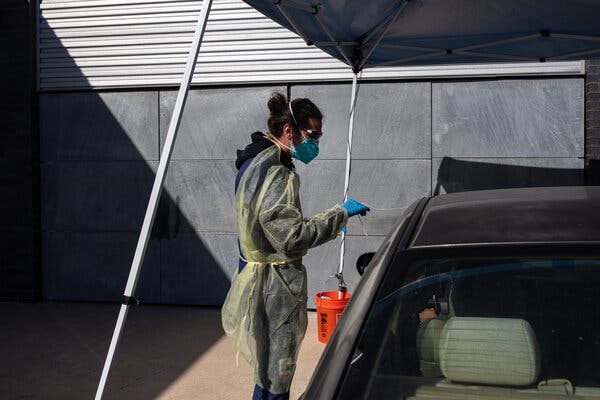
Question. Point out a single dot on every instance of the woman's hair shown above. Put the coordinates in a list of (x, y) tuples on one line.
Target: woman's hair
[(304, 109)]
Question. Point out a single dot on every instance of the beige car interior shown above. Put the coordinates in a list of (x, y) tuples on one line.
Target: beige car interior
[(486, 358)]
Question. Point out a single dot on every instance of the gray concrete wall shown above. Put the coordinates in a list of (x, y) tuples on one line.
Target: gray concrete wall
[(411, 139), (592, 121), (98, 153)]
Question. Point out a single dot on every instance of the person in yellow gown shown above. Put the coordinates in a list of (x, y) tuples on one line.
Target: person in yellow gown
[(265, 309)]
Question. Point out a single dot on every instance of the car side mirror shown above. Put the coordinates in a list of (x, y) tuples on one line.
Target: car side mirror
[(363, 262)]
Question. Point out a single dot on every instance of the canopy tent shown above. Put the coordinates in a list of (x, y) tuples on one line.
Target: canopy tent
[(374, 33)]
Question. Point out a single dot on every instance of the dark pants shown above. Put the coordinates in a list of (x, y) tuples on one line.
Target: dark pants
[(262, 394)]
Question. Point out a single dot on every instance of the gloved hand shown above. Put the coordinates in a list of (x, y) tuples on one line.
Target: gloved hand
[(354, 207)]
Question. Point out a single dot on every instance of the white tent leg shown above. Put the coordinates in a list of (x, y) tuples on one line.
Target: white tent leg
[(347, 177), (165, 157)]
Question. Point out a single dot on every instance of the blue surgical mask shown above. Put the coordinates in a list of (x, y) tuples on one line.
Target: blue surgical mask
[(306, 151)]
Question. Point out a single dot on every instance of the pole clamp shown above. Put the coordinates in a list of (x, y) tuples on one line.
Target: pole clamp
[(130, 301), (342, 287)]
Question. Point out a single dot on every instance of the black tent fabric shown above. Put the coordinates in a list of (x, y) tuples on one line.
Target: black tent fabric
[(375, 33)]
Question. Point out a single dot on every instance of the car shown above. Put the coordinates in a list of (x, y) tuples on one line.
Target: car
[(477, 295)]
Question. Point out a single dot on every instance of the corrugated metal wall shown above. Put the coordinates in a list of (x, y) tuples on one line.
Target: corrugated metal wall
[(86, 44), (99, 43)]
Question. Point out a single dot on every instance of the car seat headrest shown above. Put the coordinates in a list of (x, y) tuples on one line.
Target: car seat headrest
[(493, 351), (428, 344)]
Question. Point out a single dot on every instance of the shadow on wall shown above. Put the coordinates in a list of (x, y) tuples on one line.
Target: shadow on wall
[(456, 175), (99, 153)]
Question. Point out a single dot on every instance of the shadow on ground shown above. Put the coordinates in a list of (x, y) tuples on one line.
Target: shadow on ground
[(56, 350)]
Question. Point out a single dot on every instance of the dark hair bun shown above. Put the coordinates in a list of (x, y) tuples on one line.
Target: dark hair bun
[(277, 103)]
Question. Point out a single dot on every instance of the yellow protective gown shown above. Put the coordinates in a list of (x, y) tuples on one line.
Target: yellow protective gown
[(265, 310)]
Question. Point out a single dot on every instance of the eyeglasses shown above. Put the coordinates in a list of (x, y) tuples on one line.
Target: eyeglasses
[(315, 135)]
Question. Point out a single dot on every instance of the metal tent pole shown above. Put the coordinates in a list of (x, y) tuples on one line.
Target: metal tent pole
[(339, 275), (165, 157)]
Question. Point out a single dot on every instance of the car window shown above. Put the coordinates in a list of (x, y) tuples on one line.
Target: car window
[(456, 328)]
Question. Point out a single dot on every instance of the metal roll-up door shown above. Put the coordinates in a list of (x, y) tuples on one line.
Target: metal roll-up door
[(86, 44), (123, 43)]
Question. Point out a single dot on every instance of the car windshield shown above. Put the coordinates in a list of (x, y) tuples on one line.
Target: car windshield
[(481, 328)]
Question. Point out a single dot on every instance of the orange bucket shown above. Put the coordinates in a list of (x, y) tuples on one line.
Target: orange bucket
[(330, 306)]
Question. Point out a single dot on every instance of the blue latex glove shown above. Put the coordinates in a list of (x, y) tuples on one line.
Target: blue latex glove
[(354, 207)]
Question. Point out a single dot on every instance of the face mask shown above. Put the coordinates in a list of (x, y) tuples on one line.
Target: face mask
[(306, 151)]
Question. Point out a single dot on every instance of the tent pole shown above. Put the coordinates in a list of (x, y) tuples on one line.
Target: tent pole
[(339, 275), (287, 16), (330, 36), (159, 179), (581, 54)]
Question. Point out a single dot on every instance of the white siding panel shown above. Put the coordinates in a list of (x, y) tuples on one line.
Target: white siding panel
[(86, 44)]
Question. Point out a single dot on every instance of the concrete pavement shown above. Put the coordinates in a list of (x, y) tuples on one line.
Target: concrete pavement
[(56, 351)]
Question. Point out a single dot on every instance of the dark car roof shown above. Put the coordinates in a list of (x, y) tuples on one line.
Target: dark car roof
[(559, 214)]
